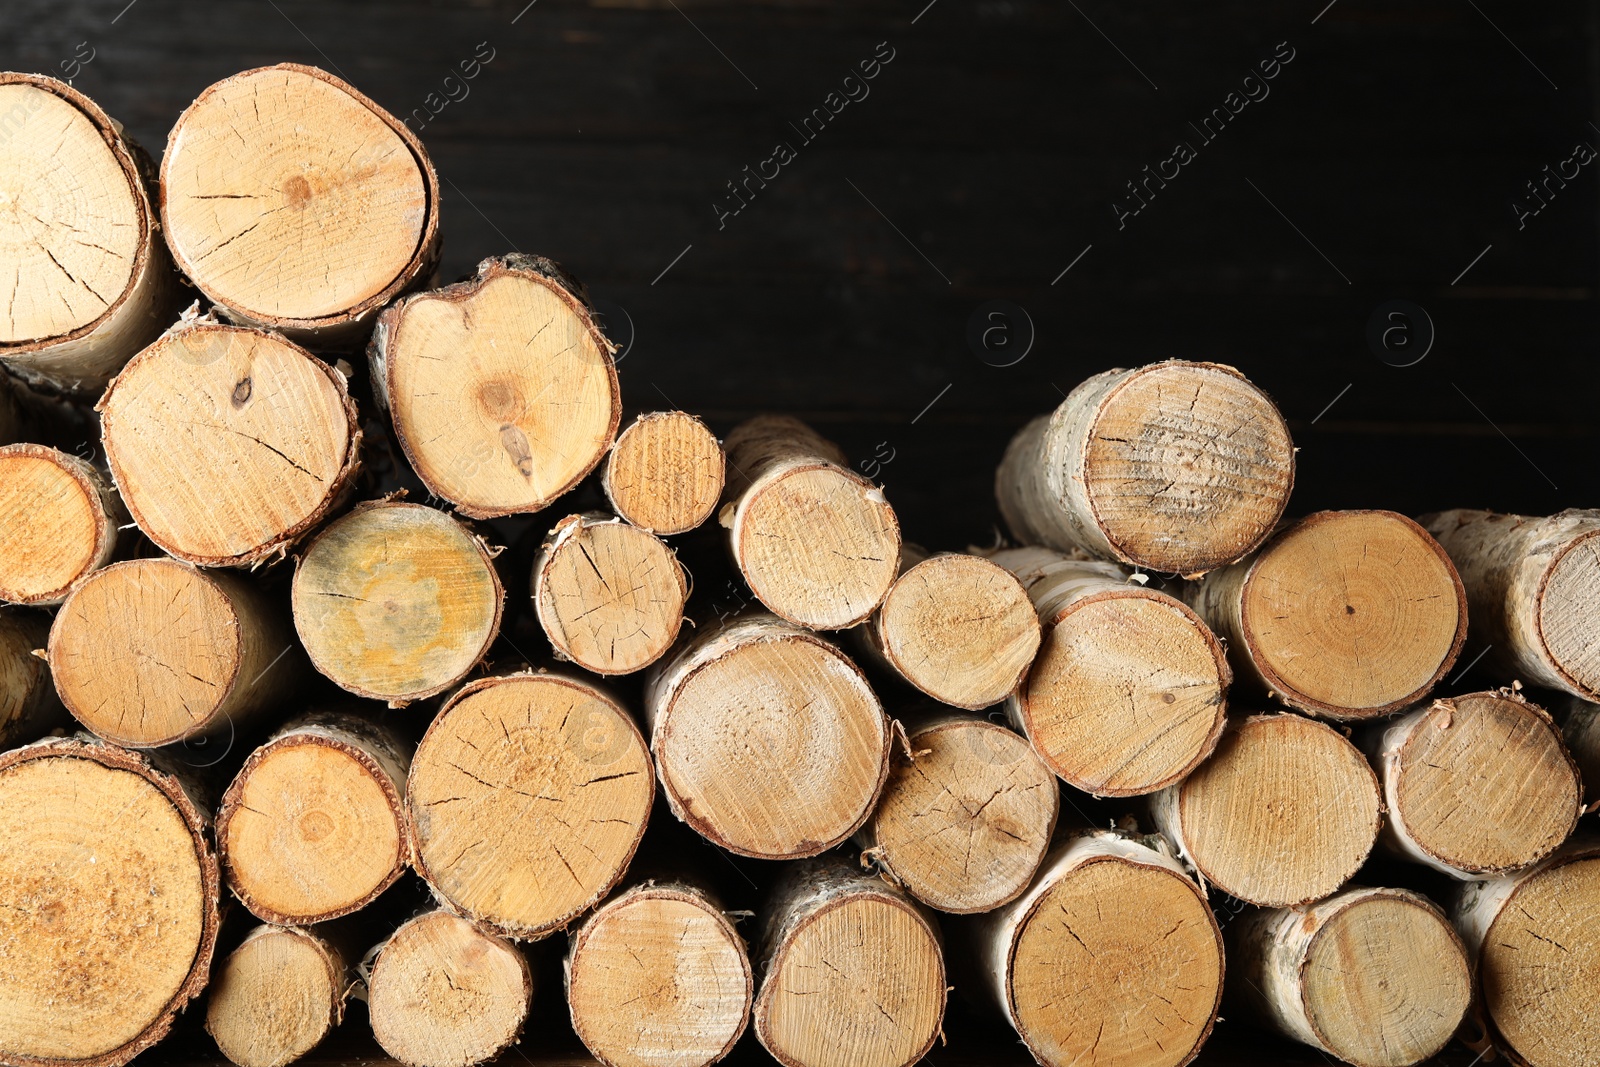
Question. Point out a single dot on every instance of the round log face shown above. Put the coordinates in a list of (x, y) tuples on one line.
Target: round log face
[(1119, 963), (1353, 613), (1187, 467), (273, 999), (1569, 613), (331, 210), (1386, 982), (1538, 965), (53, 527), (71, 223), (527, 798), (665, 473), (658, 978), (859, 983)]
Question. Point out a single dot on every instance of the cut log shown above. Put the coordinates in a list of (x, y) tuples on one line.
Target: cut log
[(501, 388), (1533, 585), (1347, 614), (658, 977), (1112, 956), (92, 282), (957, 627), (154, 651), (276, 996), (1284, 812), (527, 798), (966, 817), (112, 887), (1177, 467), (1475, 785), (608, 595), (1535, 937), (336, 211), (665, 473), (58, 522), (442, 993), (29, 707), (1376, 977), (817, 543), (852, 971), (228, 444), (312, 827), (396, 601), (767, 739), (1580, 728), (1127, 693)]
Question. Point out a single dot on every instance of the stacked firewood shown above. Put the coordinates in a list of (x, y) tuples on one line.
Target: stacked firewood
[(251, 688)]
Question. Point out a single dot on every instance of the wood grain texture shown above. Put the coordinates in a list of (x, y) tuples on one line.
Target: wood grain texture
[(58, 522), (665, 472), (276, 996)]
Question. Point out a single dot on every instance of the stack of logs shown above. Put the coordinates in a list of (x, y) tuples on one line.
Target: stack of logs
[(298, 689)]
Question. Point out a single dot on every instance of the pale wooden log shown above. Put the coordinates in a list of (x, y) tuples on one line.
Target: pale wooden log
[(297, 204), (92, 282), (852, 970), (1533, 585), (1535, 939), (58, 522), (1177, 467), (1347, 614), (817, 543), (29, 707), (1580, 729), (1475, 785), (1112, 956), (1376, 977), (150, 652), (501, 388), (958, 627), (443, 993), (526, 800), (1283, 813), (1128, 691), (312, 826), (396, 601), (228, 444), (665, 473), (767, 739), (658, 977), (107, 865), (966, 814), (277, 996), (608, 595)]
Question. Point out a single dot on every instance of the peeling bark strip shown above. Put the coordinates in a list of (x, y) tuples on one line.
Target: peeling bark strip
[(1534, 588), (817, 543), (277, 996), (966, 818), (91, 281), (665, 473), (1177, 467), (1284, 812), (1127, 692), (609, 596), (768, 740), (1112, 956), (852, 971), (312, 827), (502, 388), (957, 627), (58, 522), (108, 863), (155, 651), (396, 601), (1476, 785), (29, 707), (1580, 728), (1376, 977), (1347, 614), (1535, 937), (336, 213), (228, 444), (527, 799), (443, 993), (658, 977)]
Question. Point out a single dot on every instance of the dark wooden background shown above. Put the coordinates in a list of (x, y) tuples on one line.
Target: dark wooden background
[(1384, 162)]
